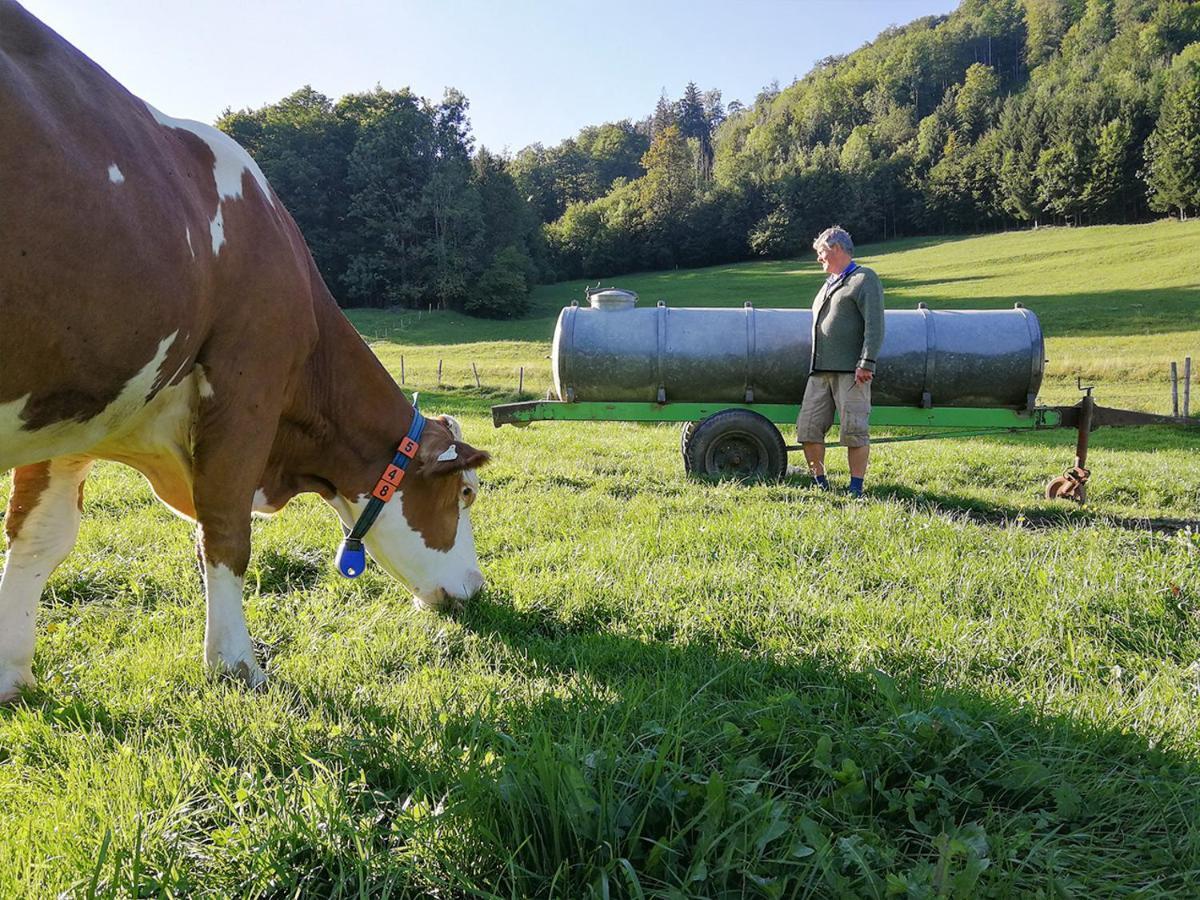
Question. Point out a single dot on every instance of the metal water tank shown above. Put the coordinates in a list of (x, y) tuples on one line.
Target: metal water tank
[(985, 358)]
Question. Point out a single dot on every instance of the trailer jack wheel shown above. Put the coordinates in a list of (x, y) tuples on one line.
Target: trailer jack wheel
[(1071, 485)]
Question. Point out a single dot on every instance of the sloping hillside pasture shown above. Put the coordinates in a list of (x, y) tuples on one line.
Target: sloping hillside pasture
[(669, 687)]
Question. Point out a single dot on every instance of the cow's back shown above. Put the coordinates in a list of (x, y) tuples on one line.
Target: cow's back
[(128, 241)]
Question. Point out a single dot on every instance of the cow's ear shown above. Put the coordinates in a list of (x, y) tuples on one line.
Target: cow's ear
[(457, 457), (452, 423)]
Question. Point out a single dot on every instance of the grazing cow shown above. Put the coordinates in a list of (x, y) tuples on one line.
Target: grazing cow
[(158, 307)]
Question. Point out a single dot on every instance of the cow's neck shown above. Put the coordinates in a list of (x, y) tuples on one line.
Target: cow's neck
[(342, 428)]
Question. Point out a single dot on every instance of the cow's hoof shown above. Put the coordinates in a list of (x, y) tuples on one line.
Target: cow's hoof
[(245, 671), (12, 682)]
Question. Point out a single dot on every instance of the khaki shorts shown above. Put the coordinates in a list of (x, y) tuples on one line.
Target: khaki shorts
[(827, 391)]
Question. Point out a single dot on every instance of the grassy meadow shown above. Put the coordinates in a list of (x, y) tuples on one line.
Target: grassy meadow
[(669, 688)]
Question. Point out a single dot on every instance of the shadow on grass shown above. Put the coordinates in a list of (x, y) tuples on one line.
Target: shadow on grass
[(275, 572), (1127, 439), (981, 512), (470, 401), (872, 771), (403, 327), (691, 765)]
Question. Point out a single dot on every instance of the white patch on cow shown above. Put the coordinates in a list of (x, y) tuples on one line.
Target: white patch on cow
[(230, 160), (165, 380), (10, 424), (115, 175), (216, 229), (471, 477), (203, 385), (432, 575), (261, 505), (227, 645), (450, 453), (19, 447), (158, 442), (44, 540), (188, 232)]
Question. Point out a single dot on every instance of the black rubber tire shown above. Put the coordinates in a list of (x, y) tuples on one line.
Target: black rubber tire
[(685, 435), (736, 443)]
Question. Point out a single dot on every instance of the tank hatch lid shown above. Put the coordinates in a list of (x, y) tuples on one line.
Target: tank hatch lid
[(612, 298)]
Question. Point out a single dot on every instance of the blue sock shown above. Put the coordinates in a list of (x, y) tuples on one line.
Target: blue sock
[(822, 482), (856, 485)]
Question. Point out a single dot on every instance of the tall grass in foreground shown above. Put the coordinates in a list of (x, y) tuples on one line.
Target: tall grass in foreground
[(669, 688)]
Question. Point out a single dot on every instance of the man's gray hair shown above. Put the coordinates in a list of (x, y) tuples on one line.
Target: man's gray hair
[(837, 236)]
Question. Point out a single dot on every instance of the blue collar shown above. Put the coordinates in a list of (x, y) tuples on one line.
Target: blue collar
[(842, 275), (352, 558)]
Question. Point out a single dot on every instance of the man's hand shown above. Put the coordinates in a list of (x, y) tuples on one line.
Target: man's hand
[(863, 376)]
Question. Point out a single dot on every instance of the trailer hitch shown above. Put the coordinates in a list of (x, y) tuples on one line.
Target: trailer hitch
[(1072, 484), (1086, 417)]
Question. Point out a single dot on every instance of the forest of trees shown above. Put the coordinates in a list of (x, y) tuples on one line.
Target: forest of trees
[(394, 205), (1006, 113)]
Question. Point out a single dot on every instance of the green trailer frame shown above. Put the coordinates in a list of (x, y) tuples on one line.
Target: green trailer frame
[(746, 435), (954, 419)]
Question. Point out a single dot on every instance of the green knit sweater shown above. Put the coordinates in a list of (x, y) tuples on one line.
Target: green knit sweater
[(848, 323)]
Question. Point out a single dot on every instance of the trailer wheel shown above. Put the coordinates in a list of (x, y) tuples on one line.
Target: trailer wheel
[(735, 443), (685, 435)]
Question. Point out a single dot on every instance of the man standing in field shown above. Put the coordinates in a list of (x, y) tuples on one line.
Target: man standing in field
[(846, 336)]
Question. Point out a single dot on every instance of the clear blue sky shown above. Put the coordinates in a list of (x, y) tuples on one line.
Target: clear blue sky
[(533, 71)]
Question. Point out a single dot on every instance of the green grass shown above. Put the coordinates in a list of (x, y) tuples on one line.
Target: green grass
[(669, 688)]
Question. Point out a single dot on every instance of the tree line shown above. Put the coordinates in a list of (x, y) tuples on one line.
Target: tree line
[(394, 204), (1005, 113)]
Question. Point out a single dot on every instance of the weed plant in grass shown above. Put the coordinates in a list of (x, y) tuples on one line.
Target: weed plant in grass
[(669, 688)]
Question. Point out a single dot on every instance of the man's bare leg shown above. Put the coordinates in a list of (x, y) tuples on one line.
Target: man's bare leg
[(857, 457), (814, 455)]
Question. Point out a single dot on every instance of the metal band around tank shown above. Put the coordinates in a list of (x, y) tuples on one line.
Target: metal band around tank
[(660, 320), (569, 353), (751, 341), (930, 355), (1038, 357)]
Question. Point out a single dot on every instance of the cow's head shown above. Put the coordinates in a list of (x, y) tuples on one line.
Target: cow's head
[(423, 537)]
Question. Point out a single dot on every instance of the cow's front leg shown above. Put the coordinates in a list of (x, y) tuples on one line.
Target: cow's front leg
[(42, 524), (232, 442), (227, 647)]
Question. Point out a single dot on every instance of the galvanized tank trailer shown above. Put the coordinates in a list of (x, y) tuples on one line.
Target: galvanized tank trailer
[(732, 375)]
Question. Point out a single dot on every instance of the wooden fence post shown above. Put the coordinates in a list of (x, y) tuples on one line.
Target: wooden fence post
[(1174, 390), (439, 373), (402, 368), (521, 381), (476, 371), (1187, 385)]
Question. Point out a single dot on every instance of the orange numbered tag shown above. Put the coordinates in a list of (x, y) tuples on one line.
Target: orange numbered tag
[(393, 475), (383, 491), (408, 447)]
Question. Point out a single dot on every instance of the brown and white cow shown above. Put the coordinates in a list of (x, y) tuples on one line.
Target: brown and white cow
[(159, 307)]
